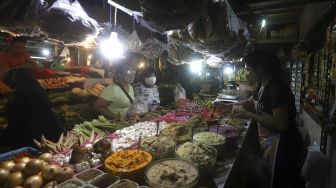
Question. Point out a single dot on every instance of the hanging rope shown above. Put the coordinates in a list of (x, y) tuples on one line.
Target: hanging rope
[(115, 15), (110, 14)]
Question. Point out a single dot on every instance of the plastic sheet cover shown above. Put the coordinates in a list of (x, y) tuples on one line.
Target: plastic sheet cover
[(19, 10), (172, 14), (152, 48), (134, 42), (75, 12)]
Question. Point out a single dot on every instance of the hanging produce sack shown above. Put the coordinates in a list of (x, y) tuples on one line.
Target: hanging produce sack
[(134, 42), (179, 92), (152, 48)]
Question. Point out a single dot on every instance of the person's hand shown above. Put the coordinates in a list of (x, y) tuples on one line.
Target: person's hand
[(240, 113)]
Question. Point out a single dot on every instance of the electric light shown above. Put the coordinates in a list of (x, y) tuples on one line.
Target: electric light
[(45, 52), (112, 48), (228, 70), (196, 66)]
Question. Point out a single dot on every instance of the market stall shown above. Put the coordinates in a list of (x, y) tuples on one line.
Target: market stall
[(101, 151), (175, 125)]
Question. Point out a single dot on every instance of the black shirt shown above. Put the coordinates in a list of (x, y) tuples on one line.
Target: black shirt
[(277, 93)]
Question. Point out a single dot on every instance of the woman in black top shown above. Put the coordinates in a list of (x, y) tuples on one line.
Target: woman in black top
[(275, 112)]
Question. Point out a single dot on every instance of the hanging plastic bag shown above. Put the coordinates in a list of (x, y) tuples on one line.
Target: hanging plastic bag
[(315, 168), (152, 48), (134, 42), (179, 92)]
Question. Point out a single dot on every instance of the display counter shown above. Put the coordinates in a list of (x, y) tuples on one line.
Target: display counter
[(253, 163)]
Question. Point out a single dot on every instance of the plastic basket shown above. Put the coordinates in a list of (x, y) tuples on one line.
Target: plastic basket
[(17, 152)]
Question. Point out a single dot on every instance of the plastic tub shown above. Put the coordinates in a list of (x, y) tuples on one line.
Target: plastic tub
[(211, 139), (72, 183), (184, 132), (133, 155), (124, 183), (159, 146), (104, 180), (201, 155), (230, 133), (182, 169), (88, 175)]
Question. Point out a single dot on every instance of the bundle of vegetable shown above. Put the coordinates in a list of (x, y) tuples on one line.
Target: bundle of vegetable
[(203, 102), (198, 123), (65, 142), (68, 117), (63, 97), (100, 126)]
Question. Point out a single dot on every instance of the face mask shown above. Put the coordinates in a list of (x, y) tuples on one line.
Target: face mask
[(150, 81)]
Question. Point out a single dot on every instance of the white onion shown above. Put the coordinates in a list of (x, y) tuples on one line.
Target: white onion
[(7, 164), (46, 157), (14, 179), (4, 173), (18, 167), (35, 181), (33, 167)]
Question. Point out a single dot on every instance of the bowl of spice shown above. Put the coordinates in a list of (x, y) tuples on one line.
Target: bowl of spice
[(211, 139), (127, 162), (159, 146), (201, 155), (172, 173)]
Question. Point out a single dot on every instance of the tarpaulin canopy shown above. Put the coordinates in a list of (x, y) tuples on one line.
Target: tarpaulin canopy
[(62, 19)]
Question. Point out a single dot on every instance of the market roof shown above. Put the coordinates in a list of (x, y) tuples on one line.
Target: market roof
[(179, 28)]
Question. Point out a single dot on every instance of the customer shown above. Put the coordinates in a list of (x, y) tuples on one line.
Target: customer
[(276, 113), (116, 99), (146, 90), (29, 112), (15, 56)]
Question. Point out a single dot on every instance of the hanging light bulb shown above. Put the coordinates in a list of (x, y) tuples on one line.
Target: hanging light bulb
[(112, 48), (263, 23)]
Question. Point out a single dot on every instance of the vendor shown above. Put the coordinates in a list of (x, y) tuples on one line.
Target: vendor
[(275, 113), (15, 56), (147, 91), (116, 99)]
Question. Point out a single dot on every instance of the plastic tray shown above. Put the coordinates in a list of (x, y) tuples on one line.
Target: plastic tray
[(14, 153)]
